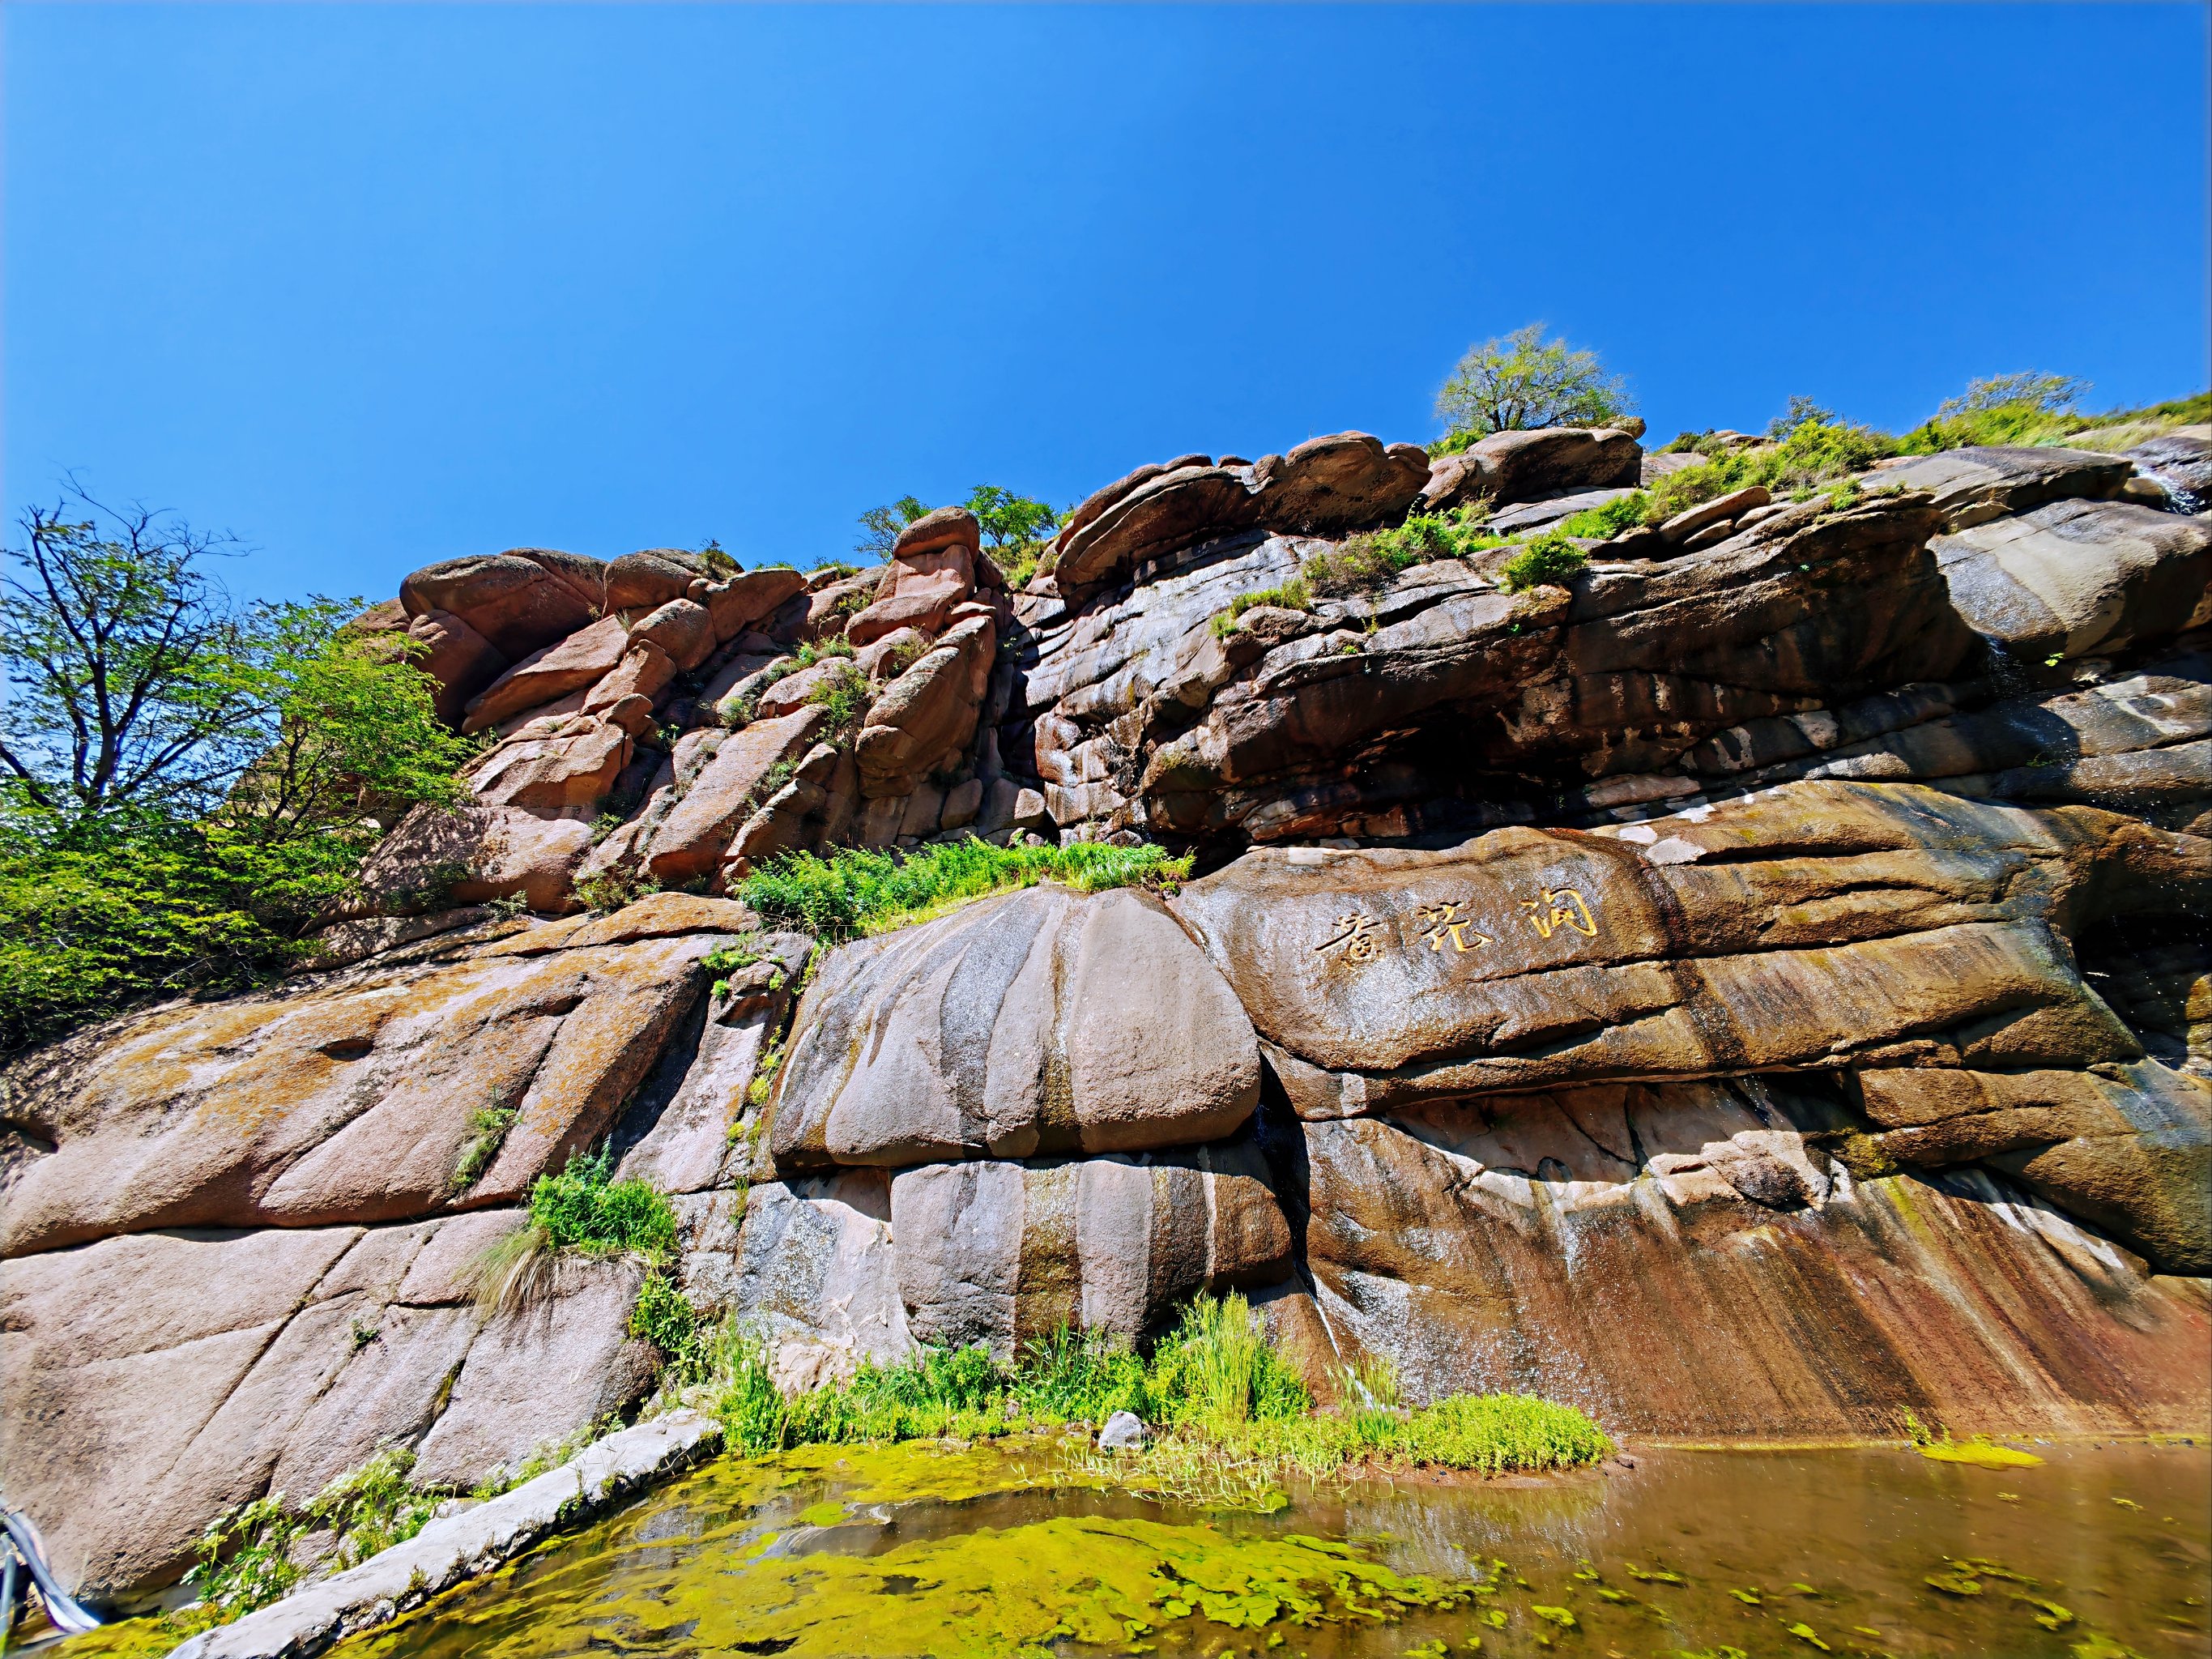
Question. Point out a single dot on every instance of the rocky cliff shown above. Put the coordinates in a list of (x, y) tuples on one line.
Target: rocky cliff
[(1754, 985)]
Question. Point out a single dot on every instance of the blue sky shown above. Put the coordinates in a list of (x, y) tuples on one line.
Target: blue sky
[(381, 285)]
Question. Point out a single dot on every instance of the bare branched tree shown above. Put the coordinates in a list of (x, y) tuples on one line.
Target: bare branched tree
[(121, 661)]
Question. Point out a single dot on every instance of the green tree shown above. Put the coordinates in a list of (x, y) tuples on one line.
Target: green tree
[(1523, 381), (2049, 394), (1802, 411), (189, 783), (880, 526), (1015, 529)]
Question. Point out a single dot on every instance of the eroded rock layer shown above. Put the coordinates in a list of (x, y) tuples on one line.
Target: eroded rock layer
[(1757, 985)]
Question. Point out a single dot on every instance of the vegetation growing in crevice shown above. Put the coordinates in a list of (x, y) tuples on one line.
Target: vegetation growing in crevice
[(1813, 453), (605, 892), (1601, 524), (845, 694), (855, 891), (584, 1210), (487, 1127)]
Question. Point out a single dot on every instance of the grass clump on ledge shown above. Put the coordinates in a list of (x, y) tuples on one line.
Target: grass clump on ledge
[(1230, 1418), (1371, 559), (1550, 560), (855, 891), (1292, 595)]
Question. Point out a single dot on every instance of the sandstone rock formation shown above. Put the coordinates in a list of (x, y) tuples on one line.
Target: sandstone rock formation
[(1755, 985)]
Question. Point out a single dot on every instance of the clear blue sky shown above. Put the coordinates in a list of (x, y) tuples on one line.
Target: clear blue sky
[(381, 285)]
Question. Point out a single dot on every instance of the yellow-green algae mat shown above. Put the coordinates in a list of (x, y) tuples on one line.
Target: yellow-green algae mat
[(984, 1593), (1030, 1546)]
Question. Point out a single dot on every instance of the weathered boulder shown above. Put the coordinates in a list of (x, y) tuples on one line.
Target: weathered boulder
[(747, 601), (1338, 483), (2181, 464), (818, 1280), (924, 583), (1002, 1254), (697, 831), (1972, 486), (560, 763), (520, 601), (1520, 466), (373, 1094), (1088, 511), (460, 660), (473, 855), (574, 662), (644, 670), (647, 579), (680, 628), (944, 526), (2076, 577), (566, 1356), (928, 714), (1015, 1027), (1162, 514)]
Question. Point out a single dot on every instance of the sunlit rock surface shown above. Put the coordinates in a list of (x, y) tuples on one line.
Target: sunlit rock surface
[(1756, 986)]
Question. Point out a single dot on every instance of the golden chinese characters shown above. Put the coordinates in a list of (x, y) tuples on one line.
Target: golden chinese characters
[(1360, 939)]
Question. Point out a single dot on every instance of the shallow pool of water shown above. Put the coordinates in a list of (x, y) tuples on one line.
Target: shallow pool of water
[(2102, 1552)]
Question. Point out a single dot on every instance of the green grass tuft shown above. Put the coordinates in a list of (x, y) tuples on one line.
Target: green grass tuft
[(1292, 595), (1603, 523), (1550, 560), (1229, 1416), (1373, 559), (855, 891)]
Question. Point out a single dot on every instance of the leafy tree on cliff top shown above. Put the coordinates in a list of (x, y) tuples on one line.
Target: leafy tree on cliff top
[(185, 783), (1524, 380), (1015, 527)]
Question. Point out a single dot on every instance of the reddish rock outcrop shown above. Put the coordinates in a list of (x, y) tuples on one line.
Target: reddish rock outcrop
[(1011, 1029)]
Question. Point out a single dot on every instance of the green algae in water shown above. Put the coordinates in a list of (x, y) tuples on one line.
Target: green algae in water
[(990, 1593), (1981, 1454), (987, 1552)]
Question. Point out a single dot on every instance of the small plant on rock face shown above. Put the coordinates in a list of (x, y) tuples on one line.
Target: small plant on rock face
[(1604, 523), (902, 656), (1373, 558), (847, 695), (608, 891), (246, 1560), (487, 1127), (1292, 595), (1549, 561)]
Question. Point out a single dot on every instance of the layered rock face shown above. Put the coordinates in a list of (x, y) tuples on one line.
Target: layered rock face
[(244, 1240), (1758, 985)]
